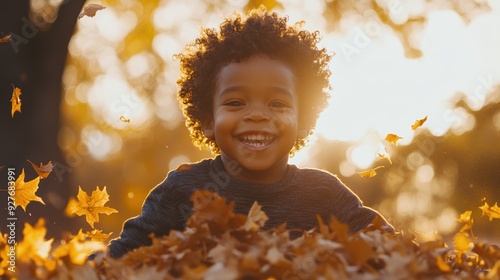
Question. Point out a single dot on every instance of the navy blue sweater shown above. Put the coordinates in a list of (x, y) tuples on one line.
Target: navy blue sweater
[(295, 199)]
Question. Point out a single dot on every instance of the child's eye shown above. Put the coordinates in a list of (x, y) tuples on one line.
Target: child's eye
[(234, 103), (279, 104)]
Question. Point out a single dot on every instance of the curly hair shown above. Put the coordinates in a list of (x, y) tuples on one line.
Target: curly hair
[(260, 32)]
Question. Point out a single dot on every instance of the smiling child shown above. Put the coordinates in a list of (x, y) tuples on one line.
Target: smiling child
[(251, 93)]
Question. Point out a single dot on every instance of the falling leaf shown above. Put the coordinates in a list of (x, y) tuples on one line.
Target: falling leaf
[(418, 123), (72, 204), (44, 170), (462, 242), (465, 218), (91, 206), (5, 39), (15, 100), (392, 138), (90, 10), (382, 153), (492, 212), (369, 173), (97, 235), (25, 191), (78, 248), (34, 245), (123, 119)]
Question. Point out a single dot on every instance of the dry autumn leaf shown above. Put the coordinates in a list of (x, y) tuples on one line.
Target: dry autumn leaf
[(78, 248), (5, 39), (91, 206), (15, 100), (382, 153), (90, 10), (418, 123), (97, 235), (392, 138), (462, 242), (34, 246), (466, 220), (25, 191), (123, 119), (44, 170), (239, 252), (256, 218), (369, 173), (492, 212)]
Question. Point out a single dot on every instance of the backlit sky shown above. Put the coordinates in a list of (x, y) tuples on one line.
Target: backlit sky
[(376, 90)]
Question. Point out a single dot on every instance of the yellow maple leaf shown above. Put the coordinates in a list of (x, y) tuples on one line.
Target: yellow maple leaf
[(91, 206), (392, 138), (78, 248), (492, 212), (462, 242), (90, 10), (97, 235), (467, 221), (369, 173), (15, 100), (418, 123), (25, 191), (34, 246), (44, 170)]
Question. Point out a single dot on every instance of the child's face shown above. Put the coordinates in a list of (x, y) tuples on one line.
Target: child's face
[(255, 120)]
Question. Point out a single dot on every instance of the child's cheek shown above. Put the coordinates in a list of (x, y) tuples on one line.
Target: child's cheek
[(284, 122)]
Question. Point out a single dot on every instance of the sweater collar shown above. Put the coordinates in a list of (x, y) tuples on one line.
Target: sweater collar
[(226, 180)]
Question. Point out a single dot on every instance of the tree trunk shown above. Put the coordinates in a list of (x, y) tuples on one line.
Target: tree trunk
[(34, 61)]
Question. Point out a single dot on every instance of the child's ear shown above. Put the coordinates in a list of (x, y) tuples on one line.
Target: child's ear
[(208, 129)]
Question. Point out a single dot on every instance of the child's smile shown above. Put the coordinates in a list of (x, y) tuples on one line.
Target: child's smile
[(255, 120)]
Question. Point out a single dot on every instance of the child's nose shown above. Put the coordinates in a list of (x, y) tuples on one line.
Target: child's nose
[(257, 113)]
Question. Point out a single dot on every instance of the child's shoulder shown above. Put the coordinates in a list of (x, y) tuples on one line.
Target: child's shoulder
[(316, 173), (318, 177), (191, 168), (187, 176)]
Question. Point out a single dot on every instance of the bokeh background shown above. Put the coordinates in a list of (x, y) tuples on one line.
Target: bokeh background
[(395, 62)]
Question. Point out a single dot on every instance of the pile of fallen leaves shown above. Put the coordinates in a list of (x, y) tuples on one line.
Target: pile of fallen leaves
[(219, 244)]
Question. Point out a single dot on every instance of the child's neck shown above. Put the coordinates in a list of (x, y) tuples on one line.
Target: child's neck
[(270, 175)]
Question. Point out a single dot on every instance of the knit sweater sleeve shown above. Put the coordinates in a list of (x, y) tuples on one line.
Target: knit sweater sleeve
[(161, 212)]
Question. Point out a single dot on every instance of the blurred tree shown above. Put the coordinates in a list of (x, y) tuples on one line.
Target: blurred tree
[(34, 61), (457, 170)]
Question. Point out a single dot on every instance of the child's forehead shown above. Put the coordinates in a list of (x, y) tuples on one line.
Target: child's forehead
[(255, 69)]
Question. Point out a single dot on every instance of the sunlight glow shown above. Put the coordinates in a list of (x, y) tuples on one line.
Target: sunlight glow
[(362, 156), (375, 88), (99, 144), (113, 97), (425, 173), (177, 160)]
